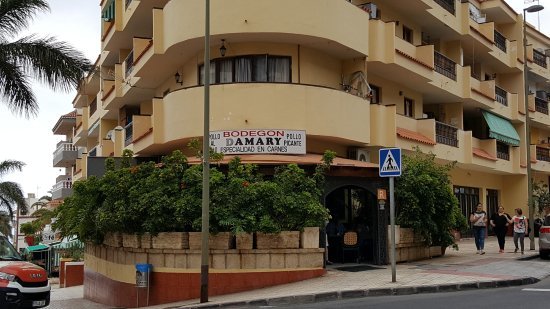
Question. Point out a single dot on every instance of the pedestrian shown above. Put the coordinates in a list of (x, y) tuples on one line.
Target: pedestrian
[(520, 227), (499, 222), (479, 222)]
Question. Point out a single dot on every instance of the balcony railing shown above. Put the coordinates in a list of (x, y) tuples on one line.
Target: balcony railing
[(444, 66), (501, 96), (93, 152), (448, 5), (129, 132), (66, 184), (543, 154), (539, 58), (446, 134), (127, 4), (129, 61), (93, 107), (503, 151), (500, 41), (541, 105)]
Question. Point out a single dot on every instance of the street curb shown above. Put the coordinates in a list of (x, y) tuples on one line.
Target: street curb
[(349, 294)]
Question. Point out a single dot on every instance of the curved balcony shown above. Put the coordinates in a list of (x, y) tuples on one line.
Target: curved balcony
[(323, 112)]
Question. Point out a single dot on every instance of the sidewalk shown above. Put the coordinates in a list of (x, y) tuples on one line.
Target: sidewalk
[(457, 270)]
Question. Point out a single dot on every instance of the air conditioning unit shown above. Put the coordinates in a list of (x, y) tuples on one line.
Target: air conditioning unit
[(359, 154)]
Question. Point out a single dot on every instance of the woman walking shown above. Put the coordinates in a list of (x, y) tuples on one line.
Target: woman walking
[(499, 222), (520, 227), (479, 222)]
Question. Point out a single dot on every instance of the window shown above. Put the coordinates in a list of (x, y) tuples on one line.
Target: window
[(246, 69), (409, 107), (407, 34), (467, 200), (375, 94)]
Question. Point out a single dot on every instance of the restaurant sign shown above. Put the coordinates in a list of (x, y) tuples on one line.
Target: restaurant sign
[(279, 141)]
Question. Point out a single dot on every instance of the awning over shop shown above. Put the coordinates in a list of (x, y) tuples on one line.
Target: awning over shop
[(501, 129), (37, 248)]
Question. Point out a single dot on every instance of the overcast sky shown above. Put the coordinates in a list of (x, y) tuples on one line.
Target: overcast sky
[(78, 22)]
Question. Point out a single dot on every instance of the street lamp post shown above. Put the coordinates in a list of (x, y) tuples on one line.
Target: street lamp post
[(205, 230), (531, 9)]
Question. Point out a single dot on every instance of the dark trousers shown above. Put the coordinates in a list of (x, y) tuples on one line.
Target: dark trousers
[(501, 236)]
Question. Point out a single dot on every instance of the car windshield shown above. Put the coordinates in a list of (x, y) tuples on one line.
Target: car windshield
[(7, 251)]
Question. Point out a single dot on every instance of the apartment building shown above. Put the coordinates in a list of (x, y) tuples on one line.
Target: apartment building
[(352, 76)]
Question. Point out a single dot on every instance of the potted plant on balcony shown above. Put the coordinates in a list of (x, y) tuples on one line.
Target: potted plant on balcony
[(30, 229)]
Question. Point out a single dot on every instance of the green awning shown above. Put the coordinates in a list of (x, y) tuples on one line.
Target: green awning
[(501, 129), (37, 248)]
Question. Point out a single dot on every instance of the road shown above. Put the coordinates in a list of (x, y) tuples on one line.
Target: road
[(527, 296)]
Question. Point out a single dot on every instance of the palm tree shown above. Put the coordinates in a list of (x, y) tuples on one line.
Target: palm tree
[(49, 61), (11, 195)]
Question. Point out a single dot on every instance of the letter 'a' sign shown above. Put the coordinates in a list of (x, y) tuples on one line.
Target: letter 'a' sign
[(389, 162)]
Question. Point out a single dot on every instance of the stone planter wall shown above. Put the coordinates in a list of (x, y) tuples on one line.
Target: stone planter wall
[(410, 247), (283, 240), (110, 272)]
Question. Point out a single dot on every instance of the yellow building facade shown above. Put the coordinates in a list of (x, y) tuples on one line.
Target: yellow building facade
[(445, 76)]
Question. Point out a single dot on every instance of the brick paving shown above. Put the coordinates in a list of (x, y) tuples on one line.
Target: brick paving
[(463, 268)]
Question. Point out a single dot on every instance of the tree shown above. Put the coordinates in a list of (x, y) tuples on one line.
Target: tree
[(5, 224), (52, 62), (426, 201), (11, 195)]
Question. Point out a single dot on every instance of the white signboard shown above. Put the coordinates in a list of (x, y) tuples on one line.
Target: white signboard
[(278, 141)]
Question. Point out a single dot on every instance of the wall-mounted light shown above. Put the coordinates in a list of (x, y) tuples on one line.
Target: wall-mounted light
[(178, 78), (222, 48)]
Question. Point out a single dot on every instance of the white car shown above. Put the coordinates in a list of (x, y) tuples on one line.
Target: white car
[(544, 238)]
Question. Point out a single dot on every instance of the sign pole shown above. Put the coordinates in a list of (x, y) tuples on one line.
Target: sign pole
[(392, 224)]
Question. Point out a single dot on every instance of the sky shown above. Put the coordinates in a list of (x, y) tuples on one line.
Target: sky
[(77, 22)]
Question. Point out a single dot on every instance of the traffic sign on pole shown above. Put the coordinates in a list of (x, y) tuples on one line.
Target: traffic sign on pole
[(389, 162)]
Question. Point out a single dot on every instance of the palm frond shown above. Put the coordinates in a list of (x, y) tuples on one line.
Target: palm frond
[(15, 87), (7, 166), (11, 197), (15, 15), (5, 224), (52, 62)]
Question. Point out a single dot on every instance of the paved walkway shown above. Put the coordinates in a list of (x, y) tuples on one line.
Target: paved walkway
[(457, 270)]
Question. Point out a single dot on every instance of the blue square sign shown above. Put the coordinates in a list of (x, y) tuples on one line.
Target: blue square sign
[(389, 162)]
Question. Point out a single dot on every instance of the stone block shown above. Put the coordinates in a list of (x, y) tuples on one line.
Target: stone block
[(170, 260), (218, 261), (171, 240), (248, 261), (180, 261), (244, 241), (282, 240), (263, 261), (194, 261), (291, 260), (277, 261), (130, 258), (156, 259), (233, 261), (310, 260), (141, 258), (309, 238), (131, 240)]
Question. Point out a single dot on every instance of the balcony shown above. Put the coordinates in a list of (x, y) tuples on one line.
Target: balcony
[(129, 134), (448, 5), (446, 134), (65, 154), (129, 63), (500, 41), (539, 58), (266, 106), (543, 154), (503, 151), (62, 188), (501, 96), (541, 105), (444, 66)]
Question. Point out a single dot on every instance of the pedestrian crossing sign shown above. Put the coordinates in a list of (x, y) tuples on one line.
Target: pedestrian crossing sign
[(389, 162)]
